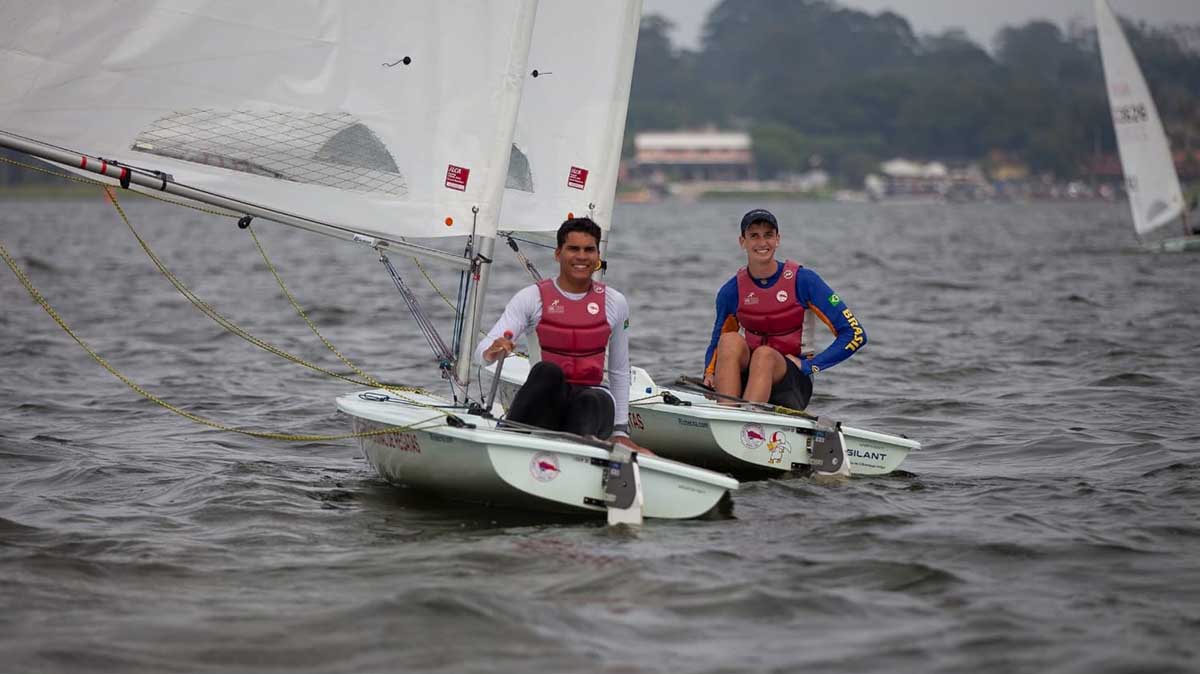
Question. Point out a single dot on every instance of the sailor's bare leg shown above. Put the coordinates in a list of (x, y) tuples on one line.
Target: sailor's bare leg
[(733, 356), (767, 367)]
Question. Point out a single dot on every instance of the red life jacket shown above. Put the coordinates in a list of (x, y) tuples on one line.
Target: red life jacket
[(573, 334), (771, 316)]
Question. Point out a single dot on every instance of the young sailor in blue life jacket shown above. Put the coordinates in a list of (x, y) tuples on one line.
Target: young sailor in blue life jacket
[(576, 321), (755, 351)]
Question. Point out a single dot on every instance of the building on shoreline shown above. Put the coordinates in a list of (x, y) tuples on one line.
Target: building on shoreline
[(691, 156)]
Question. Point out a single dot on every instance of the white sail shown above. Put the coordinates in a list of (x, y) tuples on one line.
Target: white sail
[(1150, 178), (567, 145), (389, 117)]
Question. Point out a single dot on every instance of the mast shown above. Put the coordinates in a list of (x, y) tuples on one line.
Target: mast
[(480, 272), (483, 235)]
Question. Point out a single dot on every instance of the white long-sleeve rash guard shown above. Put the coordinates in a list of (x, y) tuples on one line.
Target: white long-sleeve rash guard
[(524, 312)]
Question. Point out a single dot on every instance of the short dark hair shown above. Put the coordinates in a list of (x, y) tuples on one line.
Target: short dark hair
[(585, 225)]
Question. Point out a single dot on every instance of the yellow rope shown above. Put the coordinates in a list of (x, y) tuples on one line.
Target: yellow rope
[(196, 207), (221, 320), (41, 300), (438, 290), (229, 325), (397, 390), (207, 310), (296, 305)]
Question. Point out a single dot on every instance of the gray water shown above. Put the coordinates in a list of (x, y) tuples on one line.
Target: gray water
[(1049, 525)]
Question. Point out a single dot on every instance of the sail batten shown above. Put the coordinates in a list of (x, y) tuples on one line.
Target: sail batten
[(1155, 197)]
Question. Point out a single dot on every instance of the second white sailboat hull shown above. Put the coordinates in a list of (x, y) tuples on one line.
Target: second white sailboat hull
[(744, 442), (741, 441)]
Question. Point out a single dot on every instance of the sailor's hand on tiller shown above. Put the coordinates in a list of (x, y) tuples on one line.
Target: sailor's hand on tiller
[(502, 345), (708, 379)]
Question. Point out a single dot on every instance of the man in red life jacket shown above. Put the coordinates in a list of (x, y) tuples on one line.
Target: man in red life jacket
[(576, 320), (755, 348)]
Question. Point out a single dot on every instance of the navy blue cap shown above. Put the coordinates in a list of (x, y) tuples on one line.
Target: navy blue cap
[(758, 215)]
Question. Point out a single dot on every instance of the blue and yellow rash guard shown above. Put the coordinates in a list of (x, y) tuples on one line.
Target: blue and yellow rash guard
[(816, 296)]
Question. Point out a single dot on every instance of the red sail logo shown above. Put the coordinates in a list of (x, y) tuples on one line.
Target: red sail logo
[(577, 178), (456, 177)]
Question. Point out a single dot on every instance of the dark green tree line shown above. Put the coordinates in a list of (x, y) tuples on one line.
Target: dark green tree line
[(811, 78)]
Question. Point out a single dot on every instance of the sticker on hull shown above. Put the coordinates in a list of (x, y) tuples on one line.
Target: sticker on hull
[(753, 436), (544, 466), (776, 447)]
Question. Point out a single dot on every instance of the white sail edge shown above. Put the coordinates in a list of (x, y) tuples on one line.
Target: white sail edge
[(1155, 196), (568, 138)]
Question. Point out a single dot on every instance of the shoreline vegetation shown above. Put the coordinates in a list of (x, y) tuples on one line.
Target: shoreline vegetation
[(1035, 104), (72, 191)]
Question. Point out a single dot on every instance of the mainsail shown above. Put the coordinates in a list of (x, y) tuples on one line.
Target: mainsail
[(391, 118), (1150, 179), (567, 144)]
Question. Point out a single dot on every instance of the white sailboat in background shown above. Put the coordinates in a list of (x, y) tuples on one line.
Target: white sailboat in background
[(1155, 198), (374, 121)]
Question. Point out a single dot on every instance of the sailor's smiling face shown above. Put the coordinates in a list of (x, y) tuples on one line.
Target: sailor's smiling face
[(578, 258), (760, 241)]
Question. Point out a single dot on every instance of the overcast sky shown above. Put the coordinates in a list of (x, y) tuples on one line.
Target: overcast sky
[(979, 18)]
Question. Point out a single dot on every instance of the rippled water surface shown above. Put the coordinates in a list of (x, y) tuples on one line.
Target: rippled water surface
[(1051, 524)]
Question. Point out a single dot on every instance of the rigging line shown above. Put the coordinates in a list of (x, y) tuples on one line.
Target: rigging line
[(205, 308), (512, 243), (414, 307), (471, 275), (440, 293), (464, 284), (398, 390), (272, 435), (212, 313), (528, 241), (88, 181), (433, 284), (238, 330)]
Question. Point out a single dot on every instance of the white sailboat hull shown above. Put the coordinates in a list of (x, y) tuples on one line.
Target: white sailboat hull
[(1180, 244), (487, 465), (744, 442)]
